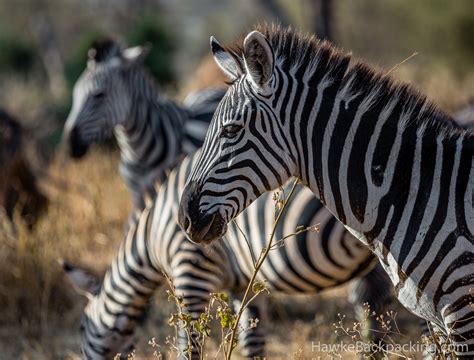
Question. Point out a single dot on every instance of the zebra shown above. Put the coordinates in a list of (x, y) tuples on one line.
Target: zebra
[(395, 170), (116, 95), (101, 106), (155, 245)]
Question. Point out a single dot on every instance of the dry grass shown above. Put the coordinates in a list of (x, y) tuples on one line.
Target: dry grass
[(40, 311)]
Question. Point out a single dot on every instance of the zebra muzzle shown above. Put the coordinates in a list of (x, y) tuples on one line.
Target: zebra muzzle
[(199, 227), (209, 228), (77, 148)]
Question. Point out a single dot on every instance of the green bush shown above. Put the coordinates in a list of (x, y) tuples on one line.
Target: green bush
[(144, 31), (151, 31), (16, 55)]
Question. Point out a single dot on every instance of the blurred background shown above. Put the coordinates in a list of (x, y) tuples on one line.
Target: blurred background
[(43, 50)]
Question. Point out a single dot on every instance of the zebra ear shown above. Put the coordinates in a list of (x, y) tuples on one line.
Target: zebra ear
[(224, 60), (259, 59), (136, 54), (102, 50), (84, 282)]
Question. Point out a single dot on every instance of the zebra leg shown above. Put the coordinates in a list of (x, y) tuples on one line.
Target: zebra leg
[(251, 335), (459, 326), (434, 338), (373, 289), (195, 277), (438, 346)]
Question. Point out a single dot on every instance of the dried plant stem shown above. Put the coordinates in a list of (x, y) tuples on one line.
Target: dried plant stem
[(179, 306), (396, 66), (258, 265), (252, 254)]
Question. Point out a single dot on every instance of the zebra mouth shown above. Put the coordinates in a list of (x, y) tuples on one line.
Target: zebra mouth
[(77, 148), (78, 151), (210, 228), (200, 227)]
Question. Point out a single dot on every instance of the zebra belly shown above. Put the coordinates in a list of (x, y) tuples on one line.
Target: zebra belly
[(303, 265), (427, 292)]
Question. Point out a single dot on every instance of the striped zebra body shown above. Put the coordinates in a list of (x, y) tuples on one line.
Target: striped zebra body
[(308, 263), (115, 95), (390, 166)]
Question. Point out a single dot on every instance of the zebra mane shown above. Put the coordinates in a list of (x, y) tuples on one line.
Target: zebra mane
[(295, 49), (375, 86), (305, 54)]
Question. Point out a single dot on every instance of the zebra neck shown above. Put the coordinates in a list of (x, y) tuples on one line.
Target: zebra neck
[(150, 140), (372, 161)]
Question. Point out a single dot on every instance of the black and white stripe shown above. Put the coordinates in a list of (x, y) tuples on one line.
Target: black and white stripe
[(308, 263), (390, 166), (116, 95)]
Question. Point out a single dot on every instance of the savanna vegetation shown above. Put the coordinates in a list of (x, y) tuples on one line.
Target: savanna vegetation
[(43, 48)]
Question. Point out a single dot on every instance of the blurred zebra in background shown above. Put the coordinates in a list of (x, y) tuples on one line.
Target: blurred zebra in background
[(308, 263), (116, 95)]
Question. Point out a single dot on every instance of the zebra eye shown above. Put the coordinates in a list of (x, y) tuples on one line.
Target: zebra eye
[(230, 131), (99, 95)]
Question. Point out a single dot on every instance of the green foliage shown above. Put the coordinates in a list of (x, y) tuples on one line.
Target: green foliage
[(147, 31), (389, 31), (16, 54), (226, 317), (464, 28), (202, 325), (151, 31), (259, 287)]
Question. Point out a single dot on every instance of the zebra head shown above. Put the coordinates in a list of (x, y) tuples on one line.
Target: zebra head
[(242, 145), (104, 333), (101, 96)]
